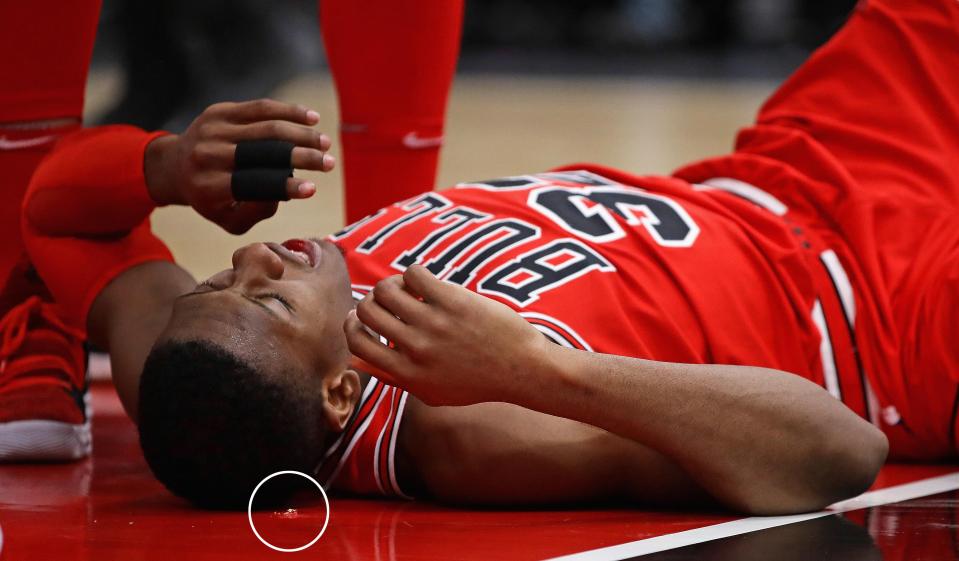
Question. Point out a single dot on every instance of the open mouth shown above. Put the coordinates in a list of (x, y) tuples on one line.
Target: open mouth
[(306, 251)]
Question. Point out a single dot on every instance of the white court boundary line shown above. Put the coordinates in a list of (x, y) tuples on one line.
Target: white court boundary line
[(895, 494)]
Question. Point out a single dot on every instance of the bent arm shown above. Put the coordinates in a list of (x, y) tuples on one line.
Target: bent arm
[(86, 228), (758, 440)]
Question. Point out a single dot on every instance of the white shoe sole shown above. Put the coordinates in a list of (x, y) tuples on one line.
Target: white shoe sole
[(41, 440)]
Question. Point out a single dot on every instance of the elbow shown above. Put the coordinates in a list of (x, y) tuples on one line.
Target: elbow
[(863, 463), (48, 206), (850, 467), (839, 467), (847, 467)]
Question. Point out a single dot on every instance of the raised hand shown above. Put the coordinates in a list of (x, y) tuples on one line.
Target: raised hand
[(450, 346), (195, 168)]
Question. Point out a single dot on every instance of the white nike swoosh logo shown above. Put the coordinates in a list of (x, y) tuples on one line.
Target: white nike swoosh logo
[(413, 140), (8, 144)]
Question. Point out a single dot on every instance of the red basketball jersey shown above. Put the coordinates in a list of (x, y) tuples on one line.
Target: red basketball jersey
[(600, 260), (362, 459)]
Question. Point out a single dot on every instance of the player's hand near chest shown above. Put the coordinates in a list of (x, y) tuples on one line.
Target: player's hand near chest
[(756, 439), (451, 346)]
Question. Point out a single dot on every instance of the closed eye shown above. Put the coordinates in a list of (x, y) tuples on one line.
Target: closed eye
[(205, 284), (280, 299)]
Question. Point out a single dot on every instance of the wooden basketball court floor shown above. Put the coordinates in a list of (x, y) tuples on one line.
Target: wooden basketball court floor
[(110, 507)]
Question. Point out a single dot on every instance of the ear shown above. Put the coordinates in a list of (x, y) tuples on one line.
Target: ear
[(341, 392)]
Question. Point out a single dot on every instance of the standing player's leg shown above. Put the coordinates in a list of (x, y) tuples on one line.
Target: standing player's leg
[(393, 63), (46, 47)]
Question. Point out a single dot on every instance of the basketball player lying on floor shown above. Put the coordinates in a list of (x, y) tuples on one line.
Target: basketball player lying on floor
[(251, 370), (599, 335)]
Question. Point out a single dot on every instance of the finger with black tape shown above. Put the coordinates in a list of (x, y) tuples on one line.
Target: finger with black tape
[(261, 184), (263, 153)]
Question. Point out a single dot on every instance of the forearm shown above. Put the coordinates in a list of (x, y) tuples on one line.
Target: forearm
[(757, 439)]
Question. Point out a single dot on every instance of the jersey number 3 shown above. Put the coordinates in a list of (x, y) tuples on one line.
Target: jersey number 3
[(587, 212)]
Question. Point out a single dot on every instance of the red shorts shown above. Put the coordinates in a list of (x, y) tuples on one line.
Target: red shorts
[(862, 142)]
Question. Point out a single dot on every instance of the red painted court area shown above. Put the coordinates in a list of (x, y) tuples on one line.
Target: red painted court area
[(110, 507)]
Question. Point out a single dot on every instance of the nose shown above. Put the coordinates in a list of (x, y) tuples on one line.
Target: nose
[(255, 261)]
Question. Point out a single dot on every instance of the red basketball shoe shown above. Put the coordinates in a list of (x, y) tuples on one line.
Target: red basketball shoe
[(43, 387)]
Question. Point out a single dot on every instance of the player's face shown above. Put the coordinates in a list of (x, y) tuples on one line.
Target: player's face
[(281, 305)]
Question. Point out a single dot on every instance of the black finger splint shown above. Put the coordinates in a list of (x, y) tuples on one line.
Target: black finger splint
[(268, 153), (261, 184)]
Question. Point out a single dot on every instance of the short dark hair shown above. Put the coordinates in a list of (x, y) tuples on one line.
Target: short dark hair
[(212, 426)]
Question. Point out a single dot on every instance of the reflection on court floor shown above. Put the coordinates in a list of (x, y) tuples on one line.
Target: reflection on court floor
[(110, 507)]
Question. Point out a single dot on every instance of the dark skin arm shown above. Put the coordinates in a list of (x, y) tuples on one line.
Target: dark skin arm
[(758, 440), (500, 454)]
